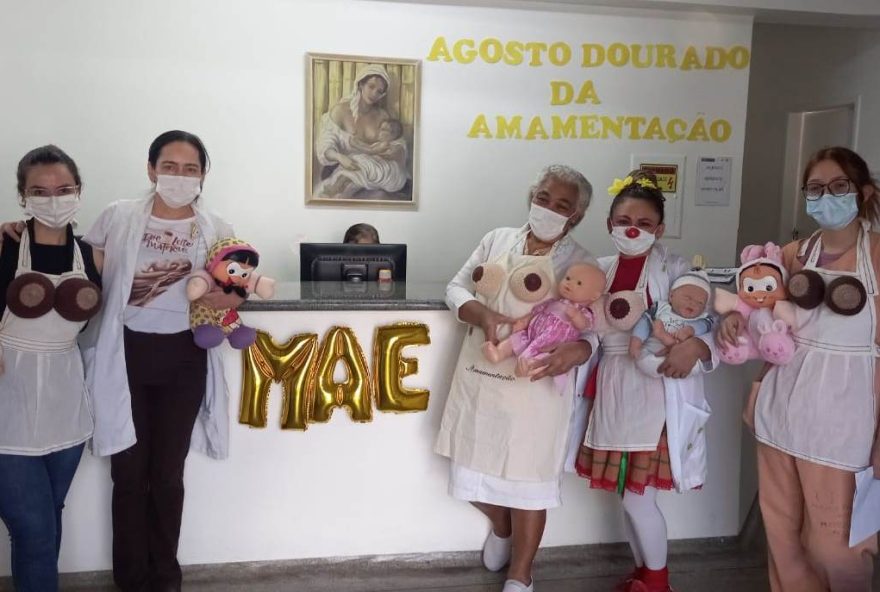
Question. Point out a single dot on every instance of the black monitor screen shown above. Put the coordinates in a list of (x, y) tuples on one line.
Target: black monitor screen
[(341, 262)]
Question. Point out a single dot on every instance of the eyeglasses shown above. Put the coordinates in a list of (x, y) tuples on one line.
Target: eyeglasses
[(63, 191), (837, 188)]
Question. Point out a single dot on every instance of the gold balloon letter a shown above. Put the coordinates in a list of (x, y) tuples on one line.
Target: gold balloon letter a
[(266, 361), (356, 392), (392, 367)]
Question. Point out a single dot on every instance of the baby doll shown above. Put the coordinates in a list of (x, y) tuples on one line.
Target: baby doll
[(376, 165), (760, 297), (389, 130), (553, 321), (215, 292), (668, 323)]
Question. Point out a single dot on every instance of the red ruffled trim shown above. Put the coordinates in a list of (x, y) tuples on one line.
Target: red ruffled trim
[(637, 488)]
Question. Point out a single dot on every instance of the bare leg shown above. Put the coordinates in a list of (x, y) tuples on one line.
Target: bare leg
[(499, 516), (496, 353), (528, 529)]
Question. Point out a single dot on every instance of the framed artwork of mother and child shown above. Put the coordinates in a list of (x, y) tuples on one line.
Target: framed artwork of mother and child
[(362, 130)]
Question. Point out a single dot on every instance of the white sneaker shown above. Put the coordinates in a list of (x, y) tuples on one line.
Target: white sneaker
[(515, 586), (496, 551)]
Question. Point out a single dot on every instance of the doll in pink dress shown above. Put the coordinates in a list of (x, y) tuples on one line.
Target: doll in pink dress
[(553, 321), (760, 299)]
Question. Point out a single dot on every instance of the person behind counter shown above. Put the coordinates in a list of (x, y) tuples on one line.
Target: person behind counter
[(362, 234)]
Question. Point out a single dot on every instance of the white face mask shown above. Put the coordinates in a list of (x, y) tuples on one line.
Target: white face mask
[(54, 212), (630, 240), (178, 191), (546, 224)]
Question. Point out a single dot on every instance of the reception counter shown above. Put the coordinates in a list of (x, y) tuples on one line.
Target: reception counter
[(345, 488)]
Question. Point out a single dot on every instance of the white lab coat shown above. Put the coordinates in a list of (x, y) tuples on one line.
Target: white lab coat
[(686, 407), (565, 252), (118, 231)]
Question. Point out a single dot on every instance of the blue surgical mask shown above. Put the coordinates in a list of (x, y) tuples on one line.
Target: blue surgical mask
[(833, 213)]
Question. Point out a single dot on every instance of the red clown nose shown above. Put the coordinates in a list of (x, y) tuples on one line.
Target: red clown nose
[(632, 232)]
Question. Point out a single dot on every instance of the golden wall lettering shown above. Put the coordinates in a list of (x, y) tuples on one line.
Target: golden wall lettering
[(599, 127)]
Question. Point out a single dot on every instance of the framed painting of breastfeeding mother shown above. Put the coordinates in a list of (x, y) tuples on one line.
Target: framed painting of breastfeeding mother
[(361, 130)]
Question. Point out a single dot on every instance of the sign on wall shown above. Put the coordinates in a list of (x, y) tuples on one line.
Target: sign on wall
[(669, 169)]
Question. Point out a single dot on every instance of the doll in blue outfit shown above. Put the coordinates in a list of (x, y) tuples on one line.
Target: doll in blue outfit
[(669, 322)]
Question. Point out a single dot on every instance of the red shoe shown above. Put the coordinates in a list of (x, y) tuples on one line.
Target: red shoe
[(652, 580), (625, 585)]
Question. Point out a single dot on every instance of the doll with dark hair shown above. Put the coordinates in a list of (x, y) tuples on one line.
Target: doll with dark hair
[(217, 291)]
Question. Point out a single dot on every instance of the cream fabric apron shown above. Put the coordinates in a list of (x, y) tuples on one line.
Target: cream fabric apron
[(820, 406), (495, 422), (44, 403), (629, 411)]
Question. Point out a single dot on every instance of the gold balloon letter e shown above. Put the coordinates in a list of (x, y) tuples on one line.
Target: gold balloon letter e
[(392, 367)]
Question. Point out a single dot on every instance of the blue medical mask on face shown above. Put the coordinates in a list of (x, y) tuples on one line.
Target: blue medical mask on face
[(833, 213)]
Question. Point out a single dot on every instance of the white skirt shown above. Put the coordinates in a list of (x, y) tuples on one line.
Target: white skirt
[(472, 486)]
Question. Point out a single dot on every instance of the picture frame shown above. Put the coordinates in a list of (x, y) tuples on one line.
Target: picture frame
[(362, 130)]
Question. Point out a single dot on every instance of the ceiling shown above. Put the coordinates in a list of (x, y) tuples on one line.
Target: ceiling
[(842, 13)]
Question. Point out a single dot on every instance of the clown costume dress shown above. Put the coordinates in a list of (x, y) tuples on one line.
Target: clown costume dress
[(645, 433)]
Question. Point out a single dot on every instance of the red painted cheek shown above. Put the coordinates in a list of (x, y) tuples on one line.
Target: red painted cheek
[(632, 232)]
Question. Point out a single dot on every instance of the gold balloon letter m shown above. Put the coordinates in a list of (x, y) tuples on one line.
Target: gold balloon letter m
[(266, 361)]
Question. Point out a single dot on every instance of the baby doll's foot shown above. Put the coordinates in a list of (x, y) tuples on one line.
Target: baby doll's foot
[(242, 337), (523, 367), (207, 336), (490, 352)]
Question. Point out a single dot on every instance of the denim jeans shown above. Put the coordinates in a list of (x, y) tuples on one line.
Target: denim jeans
[(32, 492)]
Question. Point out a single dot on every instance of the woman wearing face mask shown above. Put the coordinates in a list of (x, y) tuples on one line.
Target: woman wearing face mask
[(628, 441), (49, 287), (149, 380), (816, 417), (507, 436)]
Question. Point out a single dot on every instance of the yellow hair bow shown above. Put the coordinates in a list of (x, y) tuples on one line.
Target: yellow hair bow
[(619, 185)]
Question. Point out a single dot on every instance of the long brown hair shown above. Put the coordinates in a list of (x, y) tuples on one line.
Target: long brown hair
[(855, 167)]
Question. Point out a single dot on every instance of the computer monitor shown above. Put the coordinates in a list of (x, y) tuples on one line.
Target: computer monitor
[(350, 262)]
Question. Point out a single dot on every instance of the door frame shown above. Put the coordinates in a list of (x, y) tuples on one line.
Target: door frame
[(794, 162)]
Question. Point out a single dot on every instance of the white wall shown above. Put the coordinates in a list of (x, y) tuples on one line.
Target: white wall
[(234, 73), (799, 69), (102, 78)]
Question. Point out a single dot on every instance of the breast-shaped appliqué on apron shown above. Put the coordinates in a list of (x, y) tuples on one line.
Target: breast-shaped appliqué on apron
[(495, 422), (821, 405), (629, 410), (43, 378)]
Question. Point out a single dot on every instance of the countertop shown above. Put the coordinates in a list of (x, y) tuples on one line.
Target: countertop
[(352, 296)]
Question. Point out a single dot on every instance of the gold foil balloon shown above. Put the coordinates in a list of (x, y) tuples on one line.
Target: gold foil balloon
[(264, 362), (356, 392), (390, 367)]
